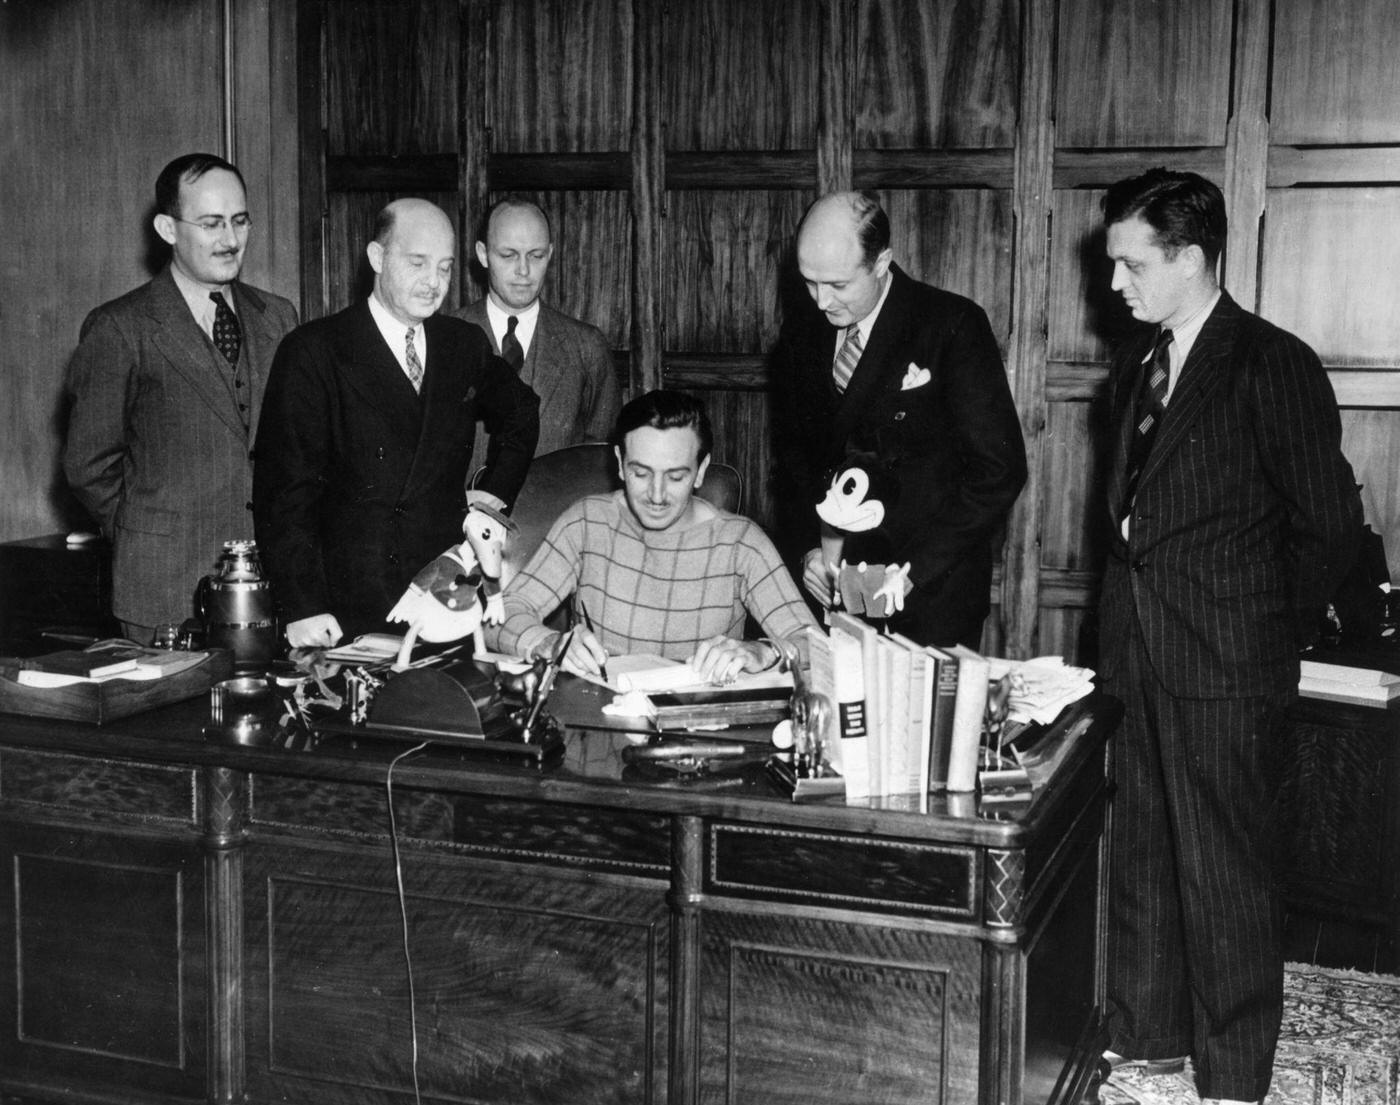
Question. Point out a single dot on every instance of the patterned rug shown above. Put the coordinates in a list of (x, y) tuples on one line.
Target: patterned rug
[(1340, 1046)]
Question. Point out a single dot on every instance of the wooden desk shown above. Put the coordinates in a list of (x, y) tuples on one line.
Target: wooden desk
[(187, 920)]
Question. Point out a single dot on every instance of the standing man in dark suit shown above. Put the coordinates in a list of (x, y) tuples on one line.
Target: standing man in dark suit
[(911, 373), (366, 433), (566, 362), (1233, 515), (165, 387)]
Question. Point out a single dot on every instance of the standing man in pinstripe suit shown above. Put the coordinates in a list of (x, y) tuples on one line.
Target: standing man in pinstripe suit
[(1234, 515), (165, 385)]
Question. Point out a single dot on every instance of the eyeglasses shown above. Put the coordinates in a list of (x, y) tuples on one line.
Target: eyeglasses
[(215, 224)]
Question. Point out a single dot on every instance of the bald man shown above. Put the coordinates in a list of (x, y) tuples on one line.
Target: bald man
[(883, 365), (360, 474), (566, 362)]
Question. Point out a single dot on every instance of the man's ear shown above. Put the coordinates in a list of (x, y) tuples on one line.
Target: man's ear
[(700, 472), (617, 452), (165, 227), (375, 252), (882, 262), (481, 254)]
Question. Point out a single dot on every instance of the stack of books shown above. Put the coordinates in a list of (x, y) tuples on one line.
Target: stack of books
[(908, 719)]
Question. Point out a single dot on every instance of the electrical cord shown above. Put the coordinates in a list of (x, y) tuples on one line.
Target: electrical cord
[(403, 910)]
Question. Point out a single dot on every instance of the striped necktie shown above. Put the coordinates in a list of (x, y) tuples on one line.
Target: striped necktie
[(847, 359), (415, 366), (1150, 407)]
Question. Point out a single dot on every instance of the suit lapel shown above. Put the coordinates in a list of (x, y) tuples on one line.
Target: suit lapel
[(878, 358), (259, 343), (544, 349), (190, 353), (1205, 372), (1129, 371)]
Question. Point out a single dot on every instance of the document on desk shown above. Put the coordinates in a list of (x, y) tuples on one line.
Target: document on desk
[(652, 674)]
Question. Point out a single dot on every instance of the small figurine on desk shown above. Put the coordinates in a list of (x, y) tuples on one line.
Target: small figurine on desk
[(856, 502), (451, 597)]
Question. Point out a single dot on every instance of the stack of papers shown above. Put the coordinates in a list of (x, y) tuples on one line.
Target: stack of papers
[(1042, 687), (1339, 683)]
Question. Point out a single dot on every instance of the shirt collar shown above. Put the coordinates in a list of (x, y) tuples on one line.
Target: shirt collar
[(196, 295), (394, 332), (867, 324), (524, 327)]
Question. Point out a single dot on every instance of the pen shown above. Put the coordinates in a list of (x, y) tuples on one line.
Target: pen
[(588, 624)]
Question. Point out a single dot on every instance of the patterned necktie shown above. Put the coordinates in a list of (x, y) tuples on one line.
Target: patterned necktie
[(511, 352), (228, 335), (847, 359), (415, 366), (1151, 406)]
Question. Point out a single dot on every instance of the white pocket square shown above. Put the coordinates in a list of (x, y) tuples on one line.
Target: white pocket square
[(915, 377)]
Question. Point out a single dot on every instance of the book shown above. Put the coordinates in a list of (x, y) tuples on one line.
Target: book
[(970, 708), (922, 675), (853, 732), (899, 744), (945, 695), (866, 635), (85, 665)]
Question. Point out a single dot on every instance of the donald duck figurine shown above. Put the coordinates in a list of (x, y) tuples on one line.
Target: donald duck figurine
[(461, 589)]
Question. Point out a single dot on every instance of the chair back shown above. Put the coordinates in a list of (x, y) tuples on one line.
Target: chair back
[(566, 475)]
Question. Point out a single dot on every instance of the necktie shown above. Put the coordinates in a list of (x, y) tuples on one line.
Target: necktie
[(228, 335), (511, 352), (1151, 406), (415, 366), (847, 359)]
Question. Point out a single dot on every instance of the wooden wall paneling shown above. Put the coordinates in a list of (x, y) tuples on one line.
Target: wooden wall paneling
[(311, 161), (83, 83), (1073, 523), (1344, 240), (740, 75), (264, 141), (1143, 74), (932, 76), (727, 254), (959, 239), (1018, 610), (1371, 441), (473, 143), (1247, 159), (1334, 78), (834, 77), (1085, 317), (391, 73), (562, 77), (740, 420), (648, 184)]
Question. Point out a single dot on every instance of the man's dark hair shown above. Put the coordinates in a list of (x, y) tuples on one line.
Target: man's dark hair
[(872, 225), (665, 410), (188, 167), (1184, 209), (513, 201)]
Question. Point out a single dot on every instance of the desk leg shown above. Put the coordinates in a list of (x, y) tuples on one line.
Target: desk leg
[(687, 850), (225, 800)]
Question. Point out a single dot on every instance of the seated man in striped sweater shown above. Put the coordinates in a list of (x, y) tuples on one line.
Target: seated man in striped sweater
[(652, 568)]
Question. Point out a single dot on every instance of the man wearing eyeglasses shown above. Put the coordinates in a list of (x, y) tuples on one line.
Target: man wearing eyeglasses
[(165, 387)]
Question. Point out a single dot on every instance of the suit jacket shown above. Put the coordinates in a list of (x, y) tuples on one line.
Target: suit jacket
[(570, 367), (1246, 513), (953, 442), (359, 480), (157, 446)]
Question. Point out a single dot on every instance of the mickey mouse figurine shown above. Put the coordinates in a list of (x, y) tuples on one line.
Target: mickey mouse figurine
[(461, 589), (856, 502)]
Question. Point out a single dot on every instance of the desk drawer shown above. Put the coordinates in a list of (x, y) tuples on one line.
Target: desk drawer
[(843, 872)]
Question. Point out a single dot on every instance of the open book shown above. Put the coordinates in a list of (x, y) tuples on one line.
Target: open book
[(651, 674)]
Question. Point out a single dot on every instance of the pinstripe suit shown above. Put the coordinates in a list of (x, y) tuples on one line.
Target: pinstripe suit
[(158, 448), (1244, 519)]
